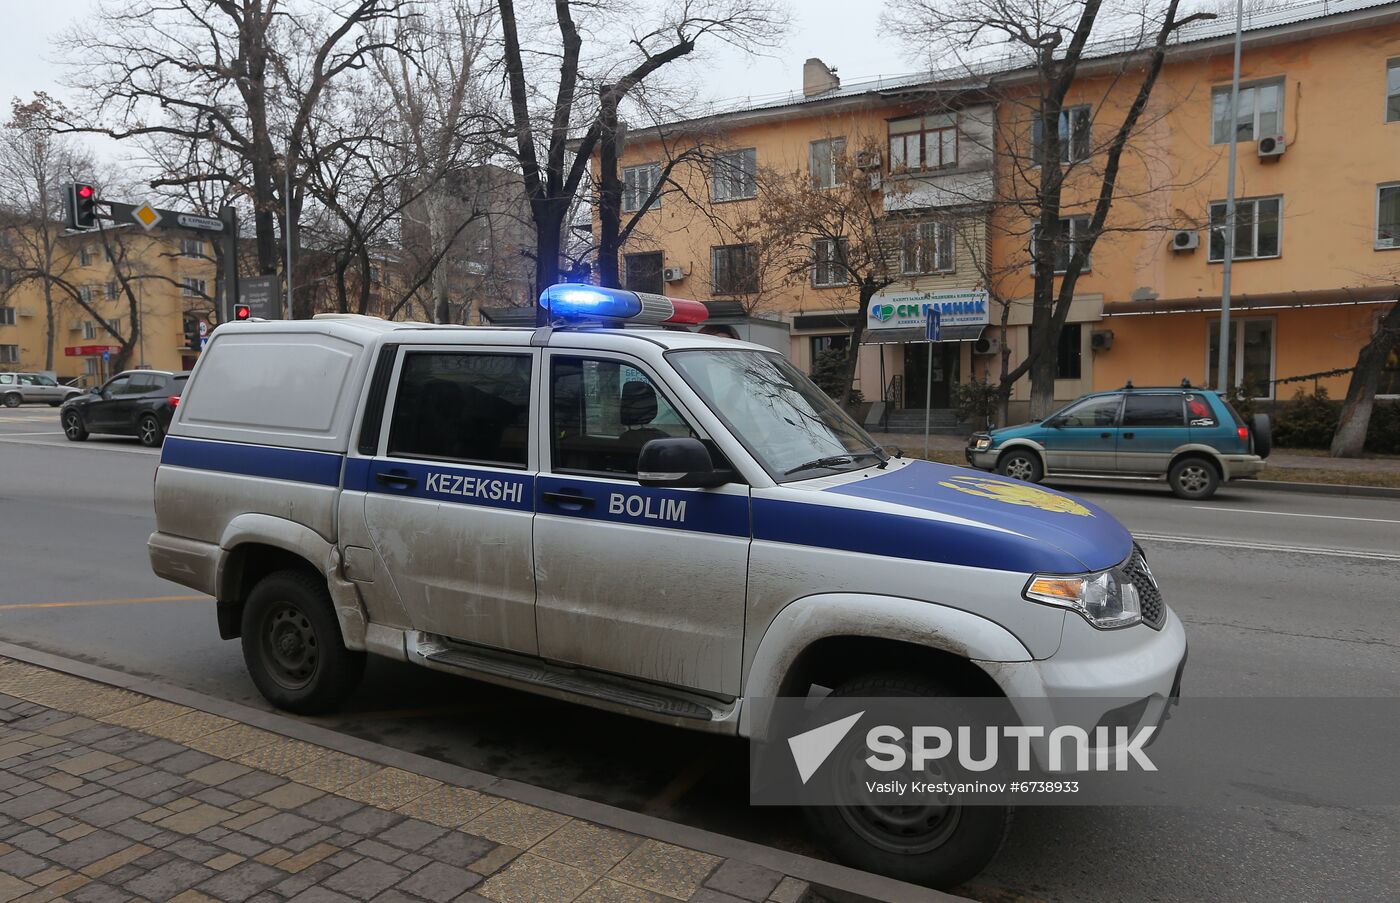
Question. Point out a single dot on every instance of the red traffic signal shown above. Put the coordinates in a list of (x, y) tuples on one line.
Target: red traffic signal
[(81, 204), (242, 312)]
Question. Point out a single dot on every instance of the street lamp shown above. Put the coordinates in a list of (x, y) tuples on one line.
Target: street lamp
[(1224, 344)]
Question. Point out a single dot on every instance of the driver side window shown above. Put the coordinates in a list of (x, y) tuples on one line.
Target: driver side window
[(1092, 412), (118, 386), (601, 414)]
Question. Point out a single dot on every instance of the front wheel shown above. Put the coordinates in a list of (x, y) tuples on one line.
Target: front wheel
[(12, 400), (292, 644), (149, 432), (936, 845), (1195, 479), (73, 426), (1021, 464)]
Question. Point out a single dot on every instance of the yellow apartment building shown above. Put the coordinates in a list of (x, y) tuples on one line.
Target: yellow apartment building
[(1317, 248), (172, 276)]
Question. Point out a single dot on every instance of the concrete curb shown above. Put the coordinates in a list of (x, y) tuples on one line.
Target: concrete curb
[(1372, 492), (833, 881)]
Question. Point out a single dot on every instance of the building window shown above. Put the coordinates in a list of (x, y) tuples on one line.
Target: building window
[(89, 330), (84, 256), (924, 142), (1392, 90), (1070, 356), (638, 182), (9, 354), (642, 272), (734, 269), (1257, 228), (112, 290), (1075, 130), (1251, 363), (821, 344), (114, 325), (824, 161), (1388, 216), (735, 175), (926, 248), (7, 316), (85, 293), (191, 247), (1074, 230), (828, 262), (1260, 112), (191, 287)]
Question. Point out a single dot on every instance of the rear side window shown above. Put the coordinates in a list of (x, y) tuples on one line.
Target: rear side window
[(1199, 412), (1239, 421), (7, 379), (145, 382), (1153, 410), (462, 406)]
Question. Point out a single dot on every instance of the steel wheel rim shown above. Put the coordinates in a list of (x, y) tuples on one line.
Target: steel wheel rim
[(71, 425), (149, 430), (289, 646), (1018, 468), (12, 401), (1194, 478), (903, 830)]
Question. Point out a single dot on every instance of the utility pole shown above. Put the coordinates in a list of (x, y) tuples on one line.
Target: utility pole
[(1222, 380)]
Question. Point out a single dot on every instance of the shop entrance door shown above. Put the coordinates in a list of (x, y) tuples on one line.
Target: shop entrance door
[(945, 374)]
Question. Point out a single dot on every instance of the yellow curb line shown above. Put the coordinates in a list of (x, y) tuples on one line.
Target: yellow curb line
[(102, 602)]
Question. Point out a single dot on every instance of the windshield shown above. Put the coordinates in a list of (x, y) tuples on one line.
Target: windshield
[(793, 428)]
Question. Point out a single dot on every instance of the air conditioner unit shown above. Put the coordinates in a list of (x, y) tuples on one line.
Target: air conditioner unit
[(1272, 146), (1186, 240), (987, 345), (867, 159), (672, 274), (1102, 339), (875, 180)]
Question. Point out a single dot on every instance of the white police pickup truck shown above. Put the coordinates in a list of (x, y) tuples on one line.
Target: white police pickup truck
[(649, 521)]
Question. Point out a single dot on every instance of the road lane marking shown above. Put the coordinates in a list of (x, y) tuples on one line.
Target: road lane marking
[(82, 602), (1270, 547), (89, 446), (1369, 520), (17, 435)]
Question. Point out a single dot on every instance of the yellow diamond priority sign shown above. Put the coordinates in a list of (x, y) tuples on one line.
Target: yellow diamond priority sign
[(146, 215)]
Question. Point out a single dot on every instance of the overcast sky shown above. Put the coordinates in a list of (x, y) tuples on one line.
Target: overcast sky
[(830, 29)]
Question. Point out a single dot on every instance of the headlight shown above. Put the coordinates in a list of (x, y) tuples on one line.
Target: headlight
[(1105, 598), (982, 444)]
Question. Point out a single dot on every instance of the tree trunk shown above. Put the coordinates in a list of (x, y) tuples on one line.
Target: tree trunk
[(1350, 438), (549, 226), (609, 193), (49, 333), (848, 378)]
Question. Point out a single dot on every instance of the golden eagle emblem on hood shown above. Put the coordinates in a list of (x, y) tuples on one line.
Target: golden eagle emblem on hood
[(1015, 493)]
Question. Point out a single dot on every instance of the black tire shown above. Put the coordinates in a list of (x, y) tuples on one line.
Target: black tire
[(12, 400), (73, 426), (54, 404), (1194, 478), (1021, 464), (292, 644), (1263, 433), (958, 843), (149, 432)]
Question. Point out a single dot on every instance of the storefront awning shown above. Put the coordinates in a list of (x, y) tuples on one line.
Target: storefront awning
[(916, 334)]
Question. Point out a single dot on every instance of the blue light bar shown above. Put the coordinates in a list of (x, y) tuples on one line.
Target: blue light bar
[(588, 301)]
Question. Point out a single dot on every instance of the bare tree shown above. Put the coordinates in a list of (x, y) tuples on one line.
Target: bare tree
[(1350, 438), (1036, 51), (555, 136)]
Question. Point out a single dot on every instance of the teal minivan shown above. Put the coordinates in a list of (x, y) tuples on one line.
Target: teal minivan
[(1191, 437)]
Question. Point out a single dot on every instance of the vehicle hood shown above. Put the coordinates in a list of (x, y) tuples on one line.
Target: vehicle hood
[(1020, 431), (937, 512)]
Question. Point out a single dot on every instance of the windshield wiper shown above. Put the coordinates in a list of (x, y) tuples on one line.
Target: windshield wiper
[(833, 460)]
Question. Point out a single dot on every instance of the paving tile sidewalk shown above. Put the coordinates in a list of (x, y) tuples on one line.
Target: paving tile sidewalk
[(108, 796)]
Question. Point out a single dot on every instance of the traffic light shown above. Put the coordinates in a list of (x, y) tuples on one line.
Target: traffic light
[(81, 205), (242, 312)]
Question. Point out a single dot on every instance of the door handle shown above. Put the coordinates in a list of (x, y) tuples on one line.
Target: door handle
[(567, 498), (396, 480), (1106, 435), (1127, 435)]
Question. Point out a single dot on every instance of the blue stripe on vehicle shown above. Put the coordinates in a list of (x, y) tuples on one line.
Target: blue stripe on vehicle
[(695, 511), (291, 464), (443, 482)]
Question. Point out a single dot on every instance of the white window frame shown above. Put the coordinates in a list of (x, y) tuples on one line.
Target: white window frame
[(1069, 231), (89, 330), (1256, 134), (714, 270), (1067, 154), (633, 192), (7, 316), (942, 245), (832, 151), (85, 293), (1237, 325), (824, 253), (1210, 228), (192, 247), (84, 256), (723, 186), (111, 291), (9, 354), (939, 124), (1392, 69), (194, 287), (1393, 243)]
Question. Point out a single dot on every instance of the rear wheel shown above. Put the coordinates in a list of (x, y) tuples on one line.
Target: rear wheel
[(149, 432), (12, 400), (1021, 464), (1194, 478), (73, 426), (292, 644), (936, 845)]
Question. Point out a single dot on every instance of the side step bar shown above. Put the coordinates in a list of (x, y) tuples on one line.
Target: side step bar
[(607, 691)]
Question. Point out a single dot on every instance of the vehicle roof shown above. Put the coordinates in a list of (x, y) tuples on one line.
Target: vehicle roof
[(1123, 390)]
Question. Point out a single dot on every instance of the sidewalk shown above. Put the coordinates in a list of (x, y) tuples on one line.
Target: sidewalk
[(108, 795)]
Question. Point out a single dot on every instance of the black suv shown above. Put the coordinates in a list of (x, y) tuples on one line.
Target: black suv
[(136, 403)]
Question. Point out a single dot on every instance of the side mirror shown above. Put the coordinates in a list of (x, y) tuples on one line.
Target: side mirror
[(679, 464), (1054, 423)]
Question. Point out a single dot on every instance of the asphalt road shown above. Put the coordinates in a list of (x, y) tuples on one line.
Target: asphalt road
[(1281, 594)]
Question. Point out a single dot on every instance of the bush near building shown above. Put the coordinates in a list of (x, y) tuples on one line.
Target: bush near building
[(1310, 419)]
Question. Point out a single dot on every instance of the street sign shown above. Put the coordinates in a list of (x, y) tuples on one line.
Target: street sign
[(933, 324), (147, 216), (203, 328), (107, 355), (204, 223), (261, 295)]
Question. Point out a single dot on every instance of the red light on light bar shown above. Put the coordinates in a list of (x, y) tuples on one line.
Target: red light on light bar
[(687, 312)]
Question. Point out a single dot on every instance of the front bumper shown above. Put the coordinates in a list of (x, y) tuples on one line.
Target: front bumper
[(983, 460)]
